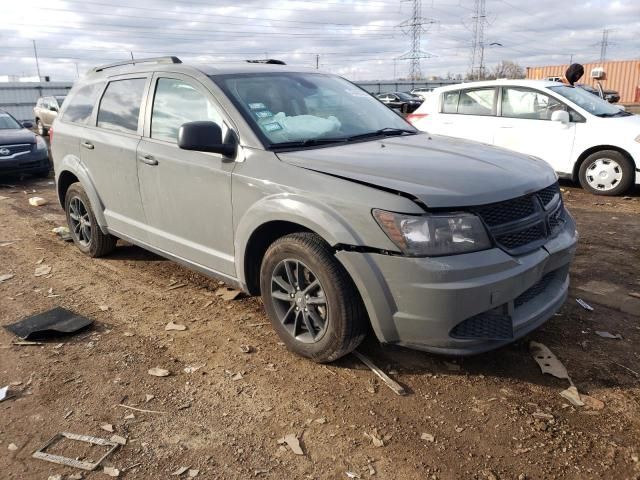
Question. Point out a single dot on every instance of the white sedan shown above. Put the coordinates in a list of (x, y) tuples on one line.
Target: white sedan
[(581, 136)]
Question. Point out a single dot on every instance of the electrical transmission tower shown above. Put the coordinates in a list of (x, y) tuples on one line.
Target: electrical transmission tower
[(603, 45), (415, 27), (477, 51)]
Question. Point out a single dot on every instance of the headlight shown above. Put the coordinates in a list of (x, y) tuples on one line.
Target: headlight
[(40, 143), (434, 235), (638, 139)]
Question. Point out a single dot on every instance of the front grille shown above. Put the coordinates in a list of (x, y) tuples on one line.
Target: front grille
[(16, 148), (523, 224), (492, 325), (536, 289)]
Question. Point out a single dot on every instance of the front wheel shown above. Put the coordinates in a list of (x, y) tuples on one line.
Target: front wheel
[(310, 298), (607, 172), (84, 228)]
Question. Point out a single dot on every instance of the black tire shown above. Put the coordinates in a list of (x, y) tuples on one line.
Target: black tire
[(404, 108), (624, 166), (41, 129), (99, 244), (345, 320)]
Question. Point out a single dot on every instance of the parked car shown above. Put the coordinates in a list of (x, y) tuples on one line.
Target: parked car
[(421, 92), (581, 136), (21, 150), (610, 96), (300, 187), (404, 102), (46, 111)]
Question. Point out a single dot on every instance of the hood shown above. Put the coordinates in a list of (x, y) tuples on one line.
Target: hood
[(11, 136), (440, 171)]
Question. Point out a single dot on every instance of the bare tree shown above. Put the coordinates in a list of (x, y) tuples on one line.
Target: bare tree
[(508, 69)]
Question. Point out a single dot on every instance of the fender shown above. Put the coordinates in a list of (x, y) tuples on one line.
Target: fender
[(301, 210), (73, 164)]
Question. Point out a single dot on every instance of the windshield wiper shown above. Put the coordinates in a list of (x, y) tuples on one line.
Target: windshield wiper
[(310, 142), (387, 131)]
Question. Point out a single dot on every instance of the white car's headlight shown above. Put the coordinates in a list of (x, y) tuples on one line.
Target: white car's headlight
[(435, 234), (40, 143)]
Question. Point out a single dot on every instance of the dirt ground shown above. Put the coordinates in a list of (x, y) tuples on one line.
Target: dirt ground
[(493, 416)]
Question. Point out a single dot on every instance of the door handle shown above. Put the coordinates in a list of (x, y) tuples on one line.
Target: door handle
[(87, 145), (148, 159)]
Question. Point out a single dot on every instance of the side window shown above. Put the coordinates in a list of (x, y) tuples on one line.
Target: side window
[(176, 102), (529, 104), (81, 104), (450, 101), (120, 106), (477, 102)]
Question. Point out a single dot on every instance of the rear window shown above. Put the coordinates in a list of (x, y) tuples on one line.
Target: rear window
[(81, 104), (120, 106)]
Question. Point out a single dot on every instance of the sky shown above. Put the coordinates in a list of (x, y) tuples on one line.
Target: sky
[(358, 39)]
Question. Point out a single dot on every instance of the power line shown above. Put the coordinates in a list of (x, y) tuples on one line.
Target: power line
[(603, 45)]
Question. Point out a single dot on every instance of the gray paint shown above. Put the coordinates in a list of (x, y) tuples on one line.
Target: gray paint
[(201, 209)]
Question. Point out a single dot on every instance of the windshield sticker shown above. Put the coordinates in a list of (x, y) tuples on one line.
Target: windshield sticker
[(257, 106), (264, 114), (272, 127)]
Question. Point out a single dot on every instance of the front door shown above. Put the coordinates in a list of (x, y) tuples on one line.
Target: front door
[(186, 194), (108, 149), (525, 126)]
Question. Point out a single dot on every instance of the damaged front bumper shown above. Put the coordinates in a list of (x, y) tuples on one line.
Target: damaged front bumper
[(463, 304)]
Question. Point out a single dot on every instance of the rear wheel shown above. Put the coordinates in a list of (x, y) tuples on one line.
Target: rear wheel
[(607, 172), (310, 299), (83, 226)]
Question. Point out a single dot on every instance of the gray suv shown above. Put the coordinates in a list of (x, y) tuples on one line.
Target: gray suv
[(302, 188)]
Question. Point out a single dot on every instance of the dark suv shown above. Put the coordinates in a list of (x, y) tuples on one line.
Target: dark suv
[(21, 150)]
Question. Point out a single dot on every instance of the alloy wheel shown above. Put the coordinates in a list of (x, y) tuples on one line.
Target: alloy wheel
[(299, 300), (80, 221)]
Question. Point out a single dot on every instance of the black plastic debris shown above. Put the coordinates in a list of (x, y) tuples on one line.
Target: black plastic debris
[(58, 320)]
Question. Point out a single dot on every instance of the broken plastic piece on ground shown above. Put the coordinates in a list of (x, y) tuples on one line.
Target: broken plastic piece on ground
[(5, 393), (294, 444), (57, 320), (72, 462), (37, 201), (5, 277), (617, 336), (392, 384), (548, 362), (573, 396), (584, 304), (63, 233)]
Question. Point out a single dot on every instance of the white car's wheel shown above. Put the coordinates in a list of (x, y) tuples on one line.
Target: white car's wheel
[(607, 172)]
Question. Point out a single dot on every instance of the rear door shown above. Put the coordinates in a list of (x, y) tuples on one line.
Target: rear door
[(108, 150), (525, 126), (186, 194), (468, 113)]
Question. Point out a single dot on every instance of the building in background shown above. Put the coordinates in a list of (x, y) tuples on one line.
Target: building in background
[(19, 98), (622, 76)]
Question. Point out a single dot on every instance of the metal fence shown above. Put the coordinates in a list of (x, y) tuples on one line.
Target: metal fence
[(402, 86), (19, 98)]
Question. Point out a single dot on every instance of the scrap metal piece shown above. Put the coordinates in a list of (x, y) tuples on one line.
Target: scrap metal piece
[(72, 462), (392, 384), (59, 320)]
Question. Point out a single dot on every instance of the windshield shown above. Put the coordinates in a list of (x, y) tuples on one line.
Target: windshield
[(7, 122), (590, 102), (289, 108)]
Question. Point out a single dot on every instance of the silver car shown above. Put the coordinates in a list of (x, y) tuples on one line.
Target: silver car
[(302, 188)]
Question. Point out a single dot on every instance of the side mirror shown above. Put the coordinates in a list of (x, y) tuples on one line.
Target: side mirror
[(560, 116), (27, 124), (204, 137)]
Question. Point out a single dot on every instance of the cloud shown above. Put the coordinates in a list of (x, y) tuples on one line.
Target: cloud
[(356, 38)]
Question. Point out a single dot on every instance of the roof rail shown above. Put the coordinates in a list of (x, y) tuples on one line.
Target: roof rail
[(269, 61), (138, 60)]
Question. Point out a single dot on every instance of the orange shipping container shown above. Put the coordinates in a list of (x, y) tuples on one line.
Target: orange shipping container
[(622, 76)]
